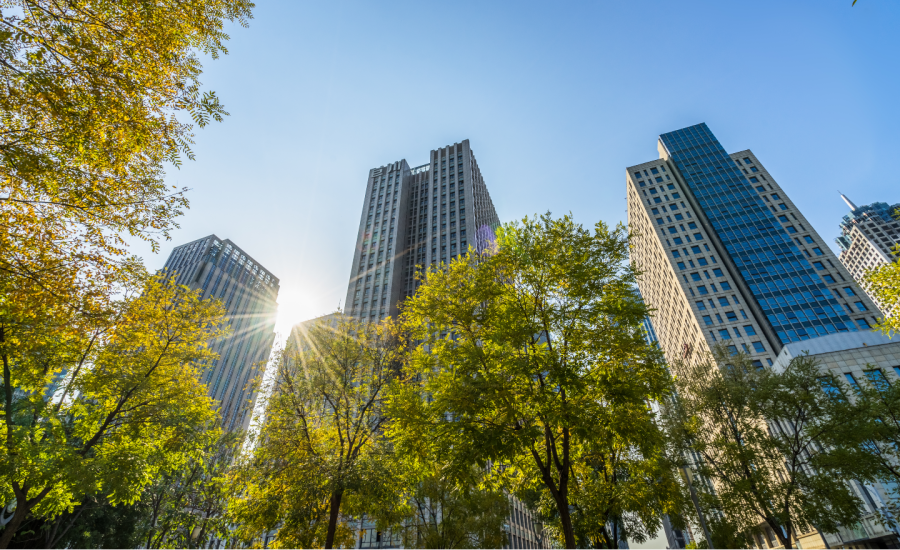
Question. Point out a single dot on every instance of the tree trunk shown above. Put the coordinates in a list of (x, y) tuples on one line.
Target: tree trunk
[(562, 506), (9, 532), (333, 514)]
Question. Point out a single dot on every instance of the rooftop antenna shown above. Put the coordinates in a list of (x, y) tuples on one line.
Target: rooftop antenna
[(848, 201)]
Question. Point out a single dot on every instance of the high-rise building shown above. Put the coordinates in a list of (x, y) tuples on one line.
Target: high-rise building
[(248, 291), (869, 234), (416, 217), (728, 257)]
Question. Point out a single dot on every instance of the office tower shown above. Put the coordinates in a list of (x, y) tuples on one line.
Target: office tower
[(728, 257), (248, 292), (421, 216), (869, 234)]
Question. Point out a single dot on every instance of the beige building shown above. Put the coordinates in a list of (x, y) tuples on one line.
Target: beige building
[(869, 235)]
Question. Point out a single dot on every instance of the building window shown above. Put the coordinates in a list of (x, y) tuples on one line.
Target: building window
[(723, 301), (698, 236), (724, 334), (681, 265), (701, 306), (749, 330), (717, 272), (849, 291), (758, 347), (754, 179), (677, 240), (782, 206), (861, 306), (809, 239), (702, 290), (725, 285), (695, 276), (828, 278), (707, 319)]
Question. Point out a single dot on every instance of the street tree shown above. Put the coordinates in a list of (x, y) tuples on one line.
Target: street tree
[(105, 407), (532, 356), (770, 442), (320, 450), (883, 283)]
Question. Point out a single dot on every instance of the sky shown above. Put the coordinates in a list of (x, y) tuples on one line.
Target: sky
[(556, 98)]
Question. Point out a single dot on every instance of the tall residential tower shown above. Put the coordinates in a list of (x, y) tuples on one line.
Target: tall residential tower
[(412, 218), (248, 291), (869, 235)]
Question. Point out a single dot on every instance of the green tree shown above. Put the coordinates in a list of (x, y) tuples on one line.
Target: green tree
[(533, 357), (187, 506), (104, 414), (770, 442), (320, 450), (883, 283)]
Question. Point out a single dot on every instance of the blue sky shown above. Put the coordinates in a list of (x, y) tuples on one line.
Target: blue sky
[(557, 99)]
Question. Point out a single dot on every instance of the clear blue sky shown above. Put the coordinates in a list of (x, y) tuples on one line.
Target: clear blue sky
[(557, 99)]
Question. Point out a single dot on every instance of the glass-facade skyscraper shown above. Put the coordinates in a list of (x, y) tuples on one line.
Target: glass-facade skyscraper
[(248, 291), (727, 256)]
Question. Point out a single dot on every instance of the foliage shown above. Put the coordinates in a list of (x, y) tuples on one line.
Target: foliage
[(770, 442), (94, 523), (106, 404), (89, 115), (320, 452), (533, 357), (883, 283), (187, 507)]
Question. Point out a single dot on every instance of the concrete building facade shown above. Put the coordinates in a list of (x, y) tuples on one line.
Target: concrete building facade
[(248, 291), (413, 218), (869, 235)]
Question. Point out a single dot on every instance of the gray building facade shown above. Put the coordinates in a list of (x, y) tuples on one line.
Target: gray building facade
[(248, 291), (413, 218)]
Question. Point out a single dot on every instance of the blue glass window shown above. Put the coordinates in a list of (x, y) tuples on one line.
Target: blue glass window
[(677, 240), (692, 225), (679, 217), (851, 380), (754, 180), (659, 180), (637, 175), (659, 221), (657, 200), (809, 239), (791, 229), (761, 189), (695, 249), (776, 197), (723, 301), (876, 377), (724, 334), (702, 261), (673, 230), (861, 306), (819, 265), (707, 319), (818, 251), (753, 169), (717, 272), (737, 333), (698, 236), (701, 306), (759, 347), (654, 171), (731, 316), (681, 265), (655, 211), (702, 290), (725, 285), (695, 276), (652, 190), (671, 186), (828, 279), (863, 324), (749, 330), (782, 219), (849, 291), (676, 254), (782, 206)]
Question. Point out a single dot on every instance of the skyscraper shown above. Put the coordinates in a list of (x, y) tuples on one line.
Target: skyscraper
[(869, 234), (248, 291), (416, 217), (728, 257)]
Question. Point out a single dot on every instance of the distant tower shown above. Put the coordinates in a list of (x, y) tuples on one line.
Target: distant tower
[(869, 235), (248, 291)]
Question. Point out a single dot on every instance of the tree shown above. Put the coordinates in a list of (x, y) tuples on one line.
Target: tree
[(770, 442), (186, 507), (533, 357), (89, 113), (320, 449), (107, 407), (883, 283)]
